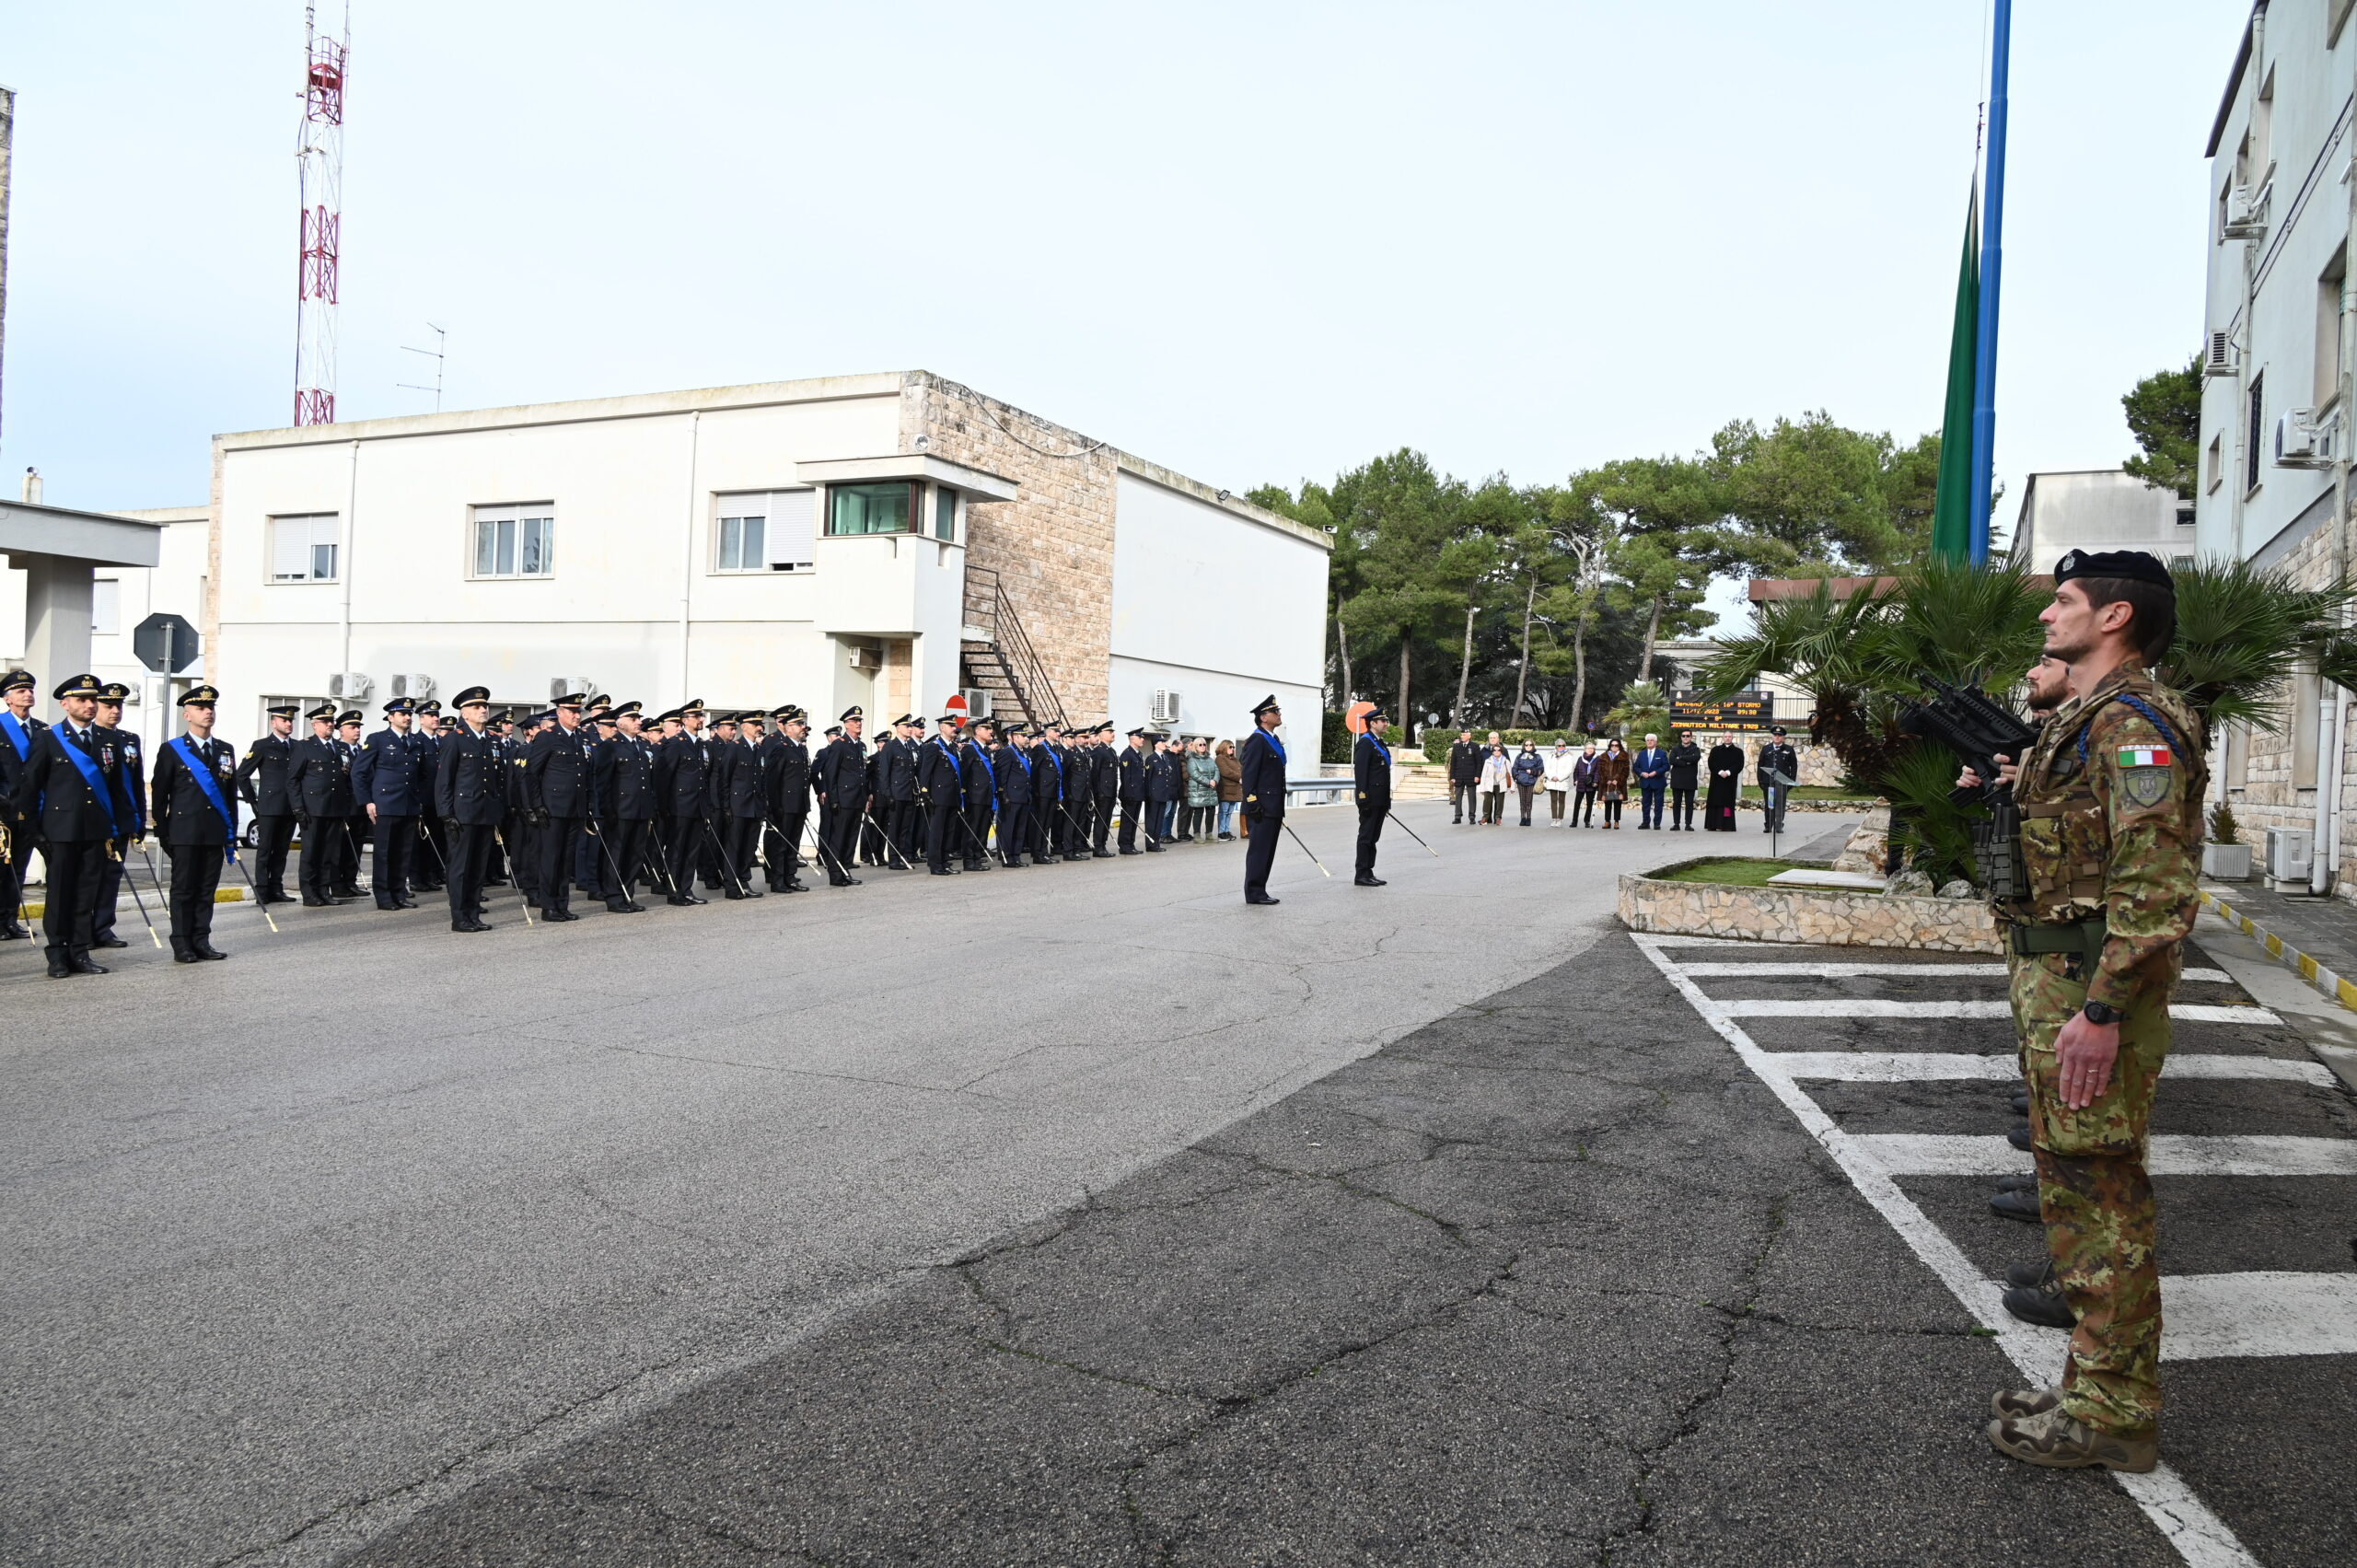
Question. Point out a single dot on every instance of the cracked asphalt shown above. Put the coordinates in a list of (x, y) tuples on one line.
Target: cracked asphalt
[(322, 1247), (1550, 1280)]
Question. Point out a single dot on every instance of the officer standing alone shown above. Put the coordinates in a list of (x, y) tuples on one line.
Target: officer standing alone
[(2109, 797), (1371, 771), (1262, 759)]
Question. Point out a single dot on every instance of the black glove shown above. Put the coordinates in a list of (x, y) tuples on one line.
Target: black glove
[(537, 816), (452, 823)]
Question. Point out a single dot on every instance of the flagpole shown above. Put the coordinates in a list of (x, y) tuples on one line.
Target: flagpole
[(1992, 217)]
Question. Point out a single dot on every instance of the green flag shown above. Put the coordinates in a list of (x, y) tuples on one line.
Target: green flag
[(1951, 511)]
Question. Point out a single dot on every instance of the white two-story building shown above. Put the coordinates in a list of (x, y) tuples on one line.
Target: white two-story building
[(884, 540), (2276, 417)]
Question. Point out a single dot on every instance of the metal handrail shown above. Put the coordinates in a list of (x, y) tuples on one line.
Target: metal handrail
[(987, 610)]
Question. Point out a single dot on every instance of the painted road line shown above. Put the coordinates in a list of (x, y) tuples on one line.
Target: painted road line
[(1847, 971), (1942, 1154), (1924, 1066), (2219, 1316), (1877, 1007), (2199, 1536)]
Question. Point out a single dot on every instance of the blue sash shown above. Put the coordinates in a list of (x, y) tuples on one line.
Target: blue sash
[(1369, 737), (951, 752), (989, 772), (1276, 745), (17, 735), (201, 771), (87, 766)]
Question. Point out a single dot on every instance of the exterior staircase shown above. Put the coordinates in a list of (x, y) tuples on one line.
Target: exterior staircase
[(996, 655)]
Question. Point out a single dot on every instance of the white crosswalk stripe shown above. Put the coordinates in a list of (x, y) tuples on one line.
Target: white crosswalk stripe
[(1878, 1007), (1848, 972), (2209, 1315), (1909, 1066)]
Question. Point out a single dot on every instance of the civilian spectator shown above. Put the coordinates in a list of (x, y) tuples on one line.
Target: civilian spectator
[(1652, 767), (1231, 786), (1612, 780), (1203, 790), (1561, 761), (1497, 772), (1584, 787), (1528, 768)]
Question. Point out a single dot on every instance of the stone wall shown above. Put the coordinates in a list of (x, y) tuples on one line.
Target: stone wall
[(1053, 546), (1819, 766), (1806, 915)]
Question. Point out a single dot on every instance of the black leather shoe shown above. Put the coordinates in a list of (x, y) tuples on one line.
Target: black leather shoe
[(557, 917), (2017, 1206), (695, 898), (2031, 1276), (109, 940), (1045, 860), (843, 881), (1132, 851), (1367, 882), (2045, 1307), (2021, 1102), (207, 950), (12, 932), (84, 965), (407, 904), (943, 871), (60, 969), (1155, 849), (1263, 899), (468, 926), (2018, 1181), (185, 957), (312, 903), (621, 906), (733, 894), (2019, 1137)]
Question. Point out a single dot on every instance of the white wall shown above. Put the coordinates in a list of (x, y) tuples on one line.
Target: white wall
[(1217, 606)]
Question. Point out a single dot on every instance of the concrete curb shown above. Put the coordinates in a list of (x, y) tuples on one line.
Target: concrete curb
[(220, 896), (2324, 980)]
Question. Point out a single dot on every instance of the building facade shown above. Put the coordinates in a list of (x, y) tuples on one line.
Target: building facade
[(2100, 509), (883, 540), (2276, 417)]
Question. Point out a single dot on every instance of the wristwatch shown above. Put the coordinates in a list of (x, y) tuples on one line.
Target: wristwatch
[(2101, 1013)]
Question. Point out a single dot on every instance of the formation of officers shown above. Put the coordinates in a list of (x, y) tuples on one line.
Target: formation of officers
[(590, 796)]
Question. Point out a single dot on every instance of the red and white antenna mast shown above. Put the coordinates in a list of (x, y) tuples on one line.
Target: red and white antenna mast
[(319, 161)]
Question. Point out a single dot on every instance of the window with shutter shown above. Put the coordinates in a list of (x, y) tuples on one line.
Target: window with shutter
[(793, 525), (303, 548)]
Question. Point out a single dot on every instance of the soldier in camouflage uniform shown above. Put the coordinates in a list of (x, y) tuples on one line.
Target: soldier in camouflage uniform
[(2110, 800)]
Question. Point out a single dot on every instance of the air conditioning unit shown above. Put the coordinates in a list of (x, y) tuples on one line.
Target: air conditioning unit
[(2246, 213), (567, 685), (2289, 853), (978, 702), (2302, 441), (350, 686), (416, 688), (1165, 708), (2221, 357), (868, 659)]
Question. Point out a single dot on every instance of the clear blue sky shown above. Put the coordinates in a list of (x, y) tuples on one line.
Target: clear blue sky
[(1251, 241)]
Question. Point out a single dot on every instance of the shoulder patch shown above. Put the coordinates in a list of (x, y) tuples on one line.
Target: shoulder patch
[(2143, 757), (2146, 785)]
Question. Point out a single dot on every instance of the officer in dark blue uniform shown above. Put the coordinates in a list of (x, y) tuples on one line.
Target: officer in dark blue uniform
[(1047, 796), (356, 827), (1263, 761), (626, 804), (391, 781), (979, 778), (785, 775), (1371, 777), (428, 870), (1132, 769), (318, 783), (734, 803), (941, 790), (196, 821), (471, 797), (1014, 763), (111, 696), (18, 728), (1165, 785), (70, 788), (588, 855), (839, 775), (681, 766), (1105, 787), (557, 801), (262, 780)]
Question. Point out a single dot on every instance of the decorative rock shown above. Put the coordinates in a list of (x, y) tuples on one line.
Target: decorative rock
[(1911, 884), (1869, 846), (1958, 889)]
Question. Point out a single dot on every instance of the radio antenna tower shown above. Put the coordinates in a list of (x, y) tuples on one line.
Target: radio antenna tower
[(319, 159)]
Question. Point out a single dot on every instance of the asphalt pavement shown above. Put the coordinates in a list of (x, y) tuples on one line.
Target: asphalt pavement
[(309, 1241)]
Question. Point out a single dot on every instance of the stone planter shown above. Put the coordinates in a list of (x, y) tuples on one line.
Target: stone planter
[(1816, 916), (2226, 863)]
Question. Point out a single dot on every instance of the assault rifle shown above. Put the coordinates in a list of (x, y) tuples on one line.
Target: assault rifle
[(1978, 730)]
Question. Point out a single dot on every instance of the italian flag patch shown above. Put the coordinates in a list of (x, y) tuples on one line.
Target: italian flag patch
[(2143, 756)]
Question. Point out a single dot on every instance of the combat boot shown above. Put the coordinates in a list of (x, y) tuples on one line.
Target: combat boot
[(2015, 1404), (2058, 1441), (2018, 1203), (2042, 1305)]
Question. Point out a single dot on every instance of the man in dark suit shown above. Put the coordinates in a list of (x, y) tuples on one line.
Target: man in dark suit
[(318, 783), (1464, 775), (1651, 769), (556, 799), (1370, 779), (18, 728), (471, 797), (1262, 758), (261, 779), (391, 780), (196, 821), (71, 787), (1685, 774)]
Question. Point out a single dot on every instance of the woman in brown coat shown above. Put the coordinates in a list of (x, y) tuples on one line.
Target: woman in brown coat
[(1612, 781), (1231, 786)]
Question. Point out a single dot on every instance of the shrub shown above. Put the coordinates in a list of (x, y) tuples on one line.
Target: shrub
[(2224, 829)]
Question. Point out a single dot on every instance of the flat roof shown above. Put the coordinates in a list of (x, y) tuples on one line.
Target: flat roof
[(102, 538)]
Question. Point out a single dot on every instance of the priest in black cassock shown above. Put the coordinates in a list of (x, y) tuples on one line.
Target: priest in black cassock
[(1724, 767)]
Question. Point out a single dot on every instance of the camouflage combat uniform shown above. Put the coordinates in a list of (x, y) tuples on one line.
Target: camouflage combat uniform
[(2110, 799)]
